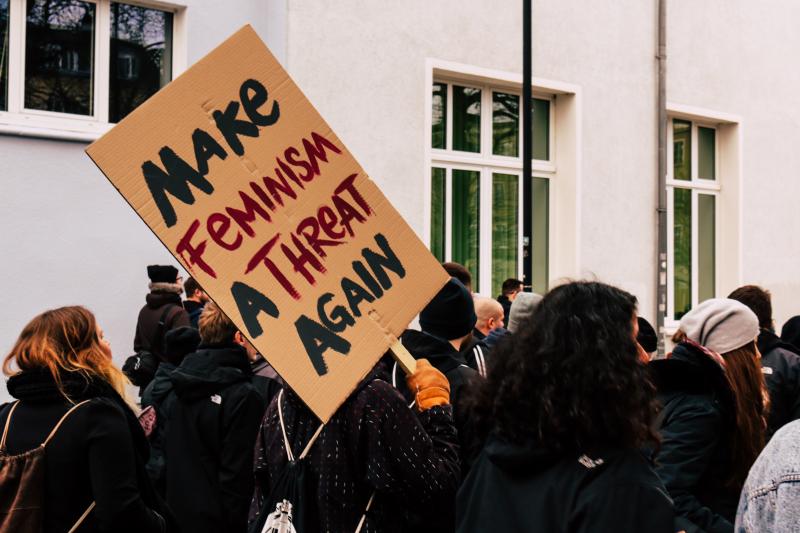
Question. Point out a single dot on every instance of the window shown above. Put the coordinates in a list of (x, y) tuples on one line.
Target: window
[(478, 210), (78, 65), (693, 188)]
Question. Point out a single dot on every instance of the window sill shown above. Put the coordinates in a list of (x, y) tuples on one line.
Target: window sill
[(66, 129)]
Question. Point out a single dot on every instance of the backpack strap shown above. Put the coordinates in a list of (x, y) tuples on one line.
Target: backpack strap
[(364, 515), (83, 517), (58, 424), (161, 329), (289, 454), (5, 429)]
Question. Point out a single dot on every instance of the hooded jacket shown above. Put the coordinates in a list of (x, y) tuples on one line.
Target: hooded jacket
[(781, 367), (516, 488), (444, 358), (156, 394), (147, 331), (208, 445), (150, 314), (696, 426), (373, 444), (98, 454)]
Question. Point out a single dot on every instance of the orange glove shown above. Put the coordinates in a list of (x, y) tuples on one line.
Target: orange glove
[(429, 386)]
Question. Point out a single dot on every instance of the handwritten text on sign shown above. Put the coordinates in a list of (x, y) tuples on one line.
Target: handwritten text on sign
[(239, 176)]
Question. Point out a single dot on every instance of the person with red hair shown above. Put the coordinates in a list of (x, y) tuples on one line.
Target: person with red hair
[(71, 403)]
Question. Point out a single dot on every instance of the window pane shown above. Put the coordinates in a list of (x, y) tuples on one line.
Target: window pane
[(706, 246), (707, 157), (465, 229), (682, 149), (141, 56), (682, 238), (3, 55), (505, 124), (505, 241), (541, 129), (438, 192), (541, 235), (466, 119), (439, 115), (59, 56)]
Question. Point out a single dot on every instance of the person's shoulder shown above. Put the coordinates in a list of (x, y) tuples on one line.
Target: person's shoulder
[(690, 404), (618, 469)]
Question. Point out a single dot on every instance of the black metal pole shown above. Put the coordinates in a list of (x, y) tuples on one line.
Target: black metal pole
[(527, 143)]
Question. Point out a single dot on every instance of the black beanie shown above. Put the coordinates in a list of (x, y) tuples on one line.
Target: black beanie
[(647, 337), (451, 313), (162, 273), (180, 342)]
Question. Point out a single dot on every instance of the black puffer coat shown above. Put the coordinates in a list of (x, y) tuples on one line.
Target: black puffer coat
[(98, 454), (516, 488), (696, 426), (208, 445), (781, 367)]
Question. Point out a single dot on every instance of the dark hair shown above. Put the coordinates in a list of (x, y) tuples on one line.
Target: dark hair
[(460, 272), (758, 300), (189, 286), (571, 379), (791, 331), (510, 286), (744, 376)]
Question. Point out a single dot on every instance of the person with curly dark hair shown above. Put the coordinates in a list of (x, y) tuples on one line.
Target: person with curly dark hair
[(564, 412)]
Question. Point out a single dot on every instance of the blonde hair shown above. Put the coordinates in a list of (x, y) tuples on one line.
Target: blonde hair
[(215, 326), (64, 340)]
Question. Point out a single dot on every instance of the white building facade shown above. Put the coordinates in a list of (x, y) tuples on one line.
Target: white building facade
[(427, 95)]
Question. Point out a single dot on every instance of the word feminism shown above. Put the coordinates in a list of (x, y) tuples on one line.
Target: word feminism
[(290, 255)]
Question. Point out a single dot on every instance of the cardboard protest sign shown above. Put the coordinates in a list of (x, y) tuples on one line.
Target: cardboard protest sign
[(243, 181)]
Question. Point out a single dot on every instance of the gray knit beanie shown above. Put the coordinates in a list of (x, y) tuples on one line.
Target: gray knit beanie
[(522, 308), (720, 324)]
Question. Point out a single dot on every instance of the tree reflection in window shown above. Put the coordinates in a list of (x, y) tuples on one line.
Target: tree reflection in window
[(59, 56), (141, 56)]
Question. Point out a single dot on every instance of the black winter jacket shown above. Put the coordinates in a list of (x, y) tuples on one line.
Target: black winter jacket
[(446, 359), (696, 425), (781, 367), (150, 314), (98, 454), (157, 395), (374, 443), (208, 445), (515, 488)]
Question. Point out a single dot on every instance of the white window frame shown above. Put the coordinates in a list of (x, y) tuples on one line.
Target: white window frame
[(18, 120), (696, 186), (487, 164)]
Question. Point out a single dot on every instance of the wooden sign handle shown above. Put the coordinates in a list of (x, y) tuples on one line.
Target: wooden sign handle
[(403, 358)]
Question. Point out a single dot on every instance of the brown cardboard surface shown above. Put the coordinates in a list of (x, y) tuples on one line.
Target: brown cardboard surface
[(218, 234)]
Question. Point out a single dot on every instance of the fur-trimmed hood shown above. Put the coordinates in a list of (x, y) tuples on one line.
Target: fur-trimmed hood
[(156, 300), (688, 370), (174, 288)]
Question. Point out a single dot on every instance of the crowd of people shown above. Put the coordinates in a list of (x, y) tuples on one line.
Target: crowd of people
[(527, 412)]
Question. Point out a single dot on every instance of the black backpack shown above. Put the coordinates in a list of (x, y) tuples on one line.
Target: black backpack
[(140, 368), (291, 504)]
